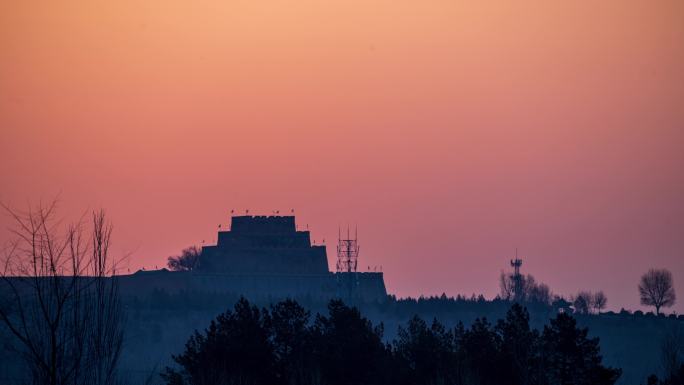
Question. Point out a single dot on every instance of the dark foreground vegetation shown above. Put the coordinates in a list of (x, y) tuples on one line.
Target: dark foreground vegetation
[(63, 321), (285, 345)]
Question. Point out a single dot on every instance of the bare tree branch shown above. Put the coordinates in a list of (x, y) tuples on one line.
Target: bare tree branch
[(59, 300)]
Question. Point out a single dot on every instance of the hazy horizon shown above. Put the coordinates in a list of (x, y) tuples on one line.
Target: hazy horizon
[(450, 134)]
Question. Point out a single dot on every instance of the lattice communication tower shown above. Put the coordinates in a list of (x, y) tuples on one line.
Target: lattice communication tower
[(347, 252), (517, 278)]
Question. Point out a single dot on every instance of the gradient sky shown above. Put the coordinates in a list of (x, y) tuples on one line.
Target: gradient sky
[(450, 132)]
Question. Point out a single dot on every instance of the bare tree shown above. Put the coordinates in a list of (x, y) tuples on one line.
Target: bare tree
[(527, 285), (59, 304), (656, 289), (507, 286), (188, 260), (582, 302), (539, 292), (530, 290), (599, 301)]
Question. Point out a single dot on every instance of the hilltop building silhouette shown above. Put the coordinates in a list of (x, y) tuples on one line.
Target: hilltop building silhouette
[(261, 257), (264, 245)]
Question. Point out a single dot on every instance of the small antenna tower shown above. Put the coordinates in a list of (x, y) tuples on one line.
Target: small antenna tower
[(347, 252), (517, 278)]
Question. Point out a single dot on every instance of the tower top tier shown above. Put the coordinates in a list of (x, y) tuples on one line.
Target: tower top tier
[(263, 224)]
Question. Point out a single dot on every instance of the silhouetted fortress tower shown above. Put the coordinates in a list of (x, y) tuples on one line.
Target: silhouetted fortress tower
[(261, 257), (264, 245)]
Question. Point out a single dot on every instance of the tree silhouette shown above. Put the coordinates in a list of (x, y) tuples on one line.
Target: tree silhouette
[(570, 358), (507, 286), (583, 302), (479, 347), (676, 378), (539, 292), (656, 289), (599, 301), (344, 340), (427, 352), (235, 349), (519, 347), (252, 346), (292, 343), (186, 261), (60, 305), (531, 291), (672, 350)]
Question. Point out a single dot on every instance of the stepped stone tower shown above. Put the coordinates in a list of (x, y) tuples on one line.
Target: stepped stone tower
[(264, 245), (261, 257)]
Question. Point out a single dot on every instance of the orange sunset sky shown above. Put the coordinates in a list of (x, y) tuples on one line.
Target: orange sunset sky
[(450, 132)]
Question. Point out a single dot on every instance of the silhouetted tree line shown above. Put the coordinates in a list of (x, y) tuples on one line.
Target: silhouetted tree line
[(585, 302), (186, 300), (283, 345)]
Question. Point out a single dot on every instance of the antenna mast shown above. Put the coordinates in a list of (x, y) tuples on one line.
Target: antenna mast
[(347, 252), (517, 278)]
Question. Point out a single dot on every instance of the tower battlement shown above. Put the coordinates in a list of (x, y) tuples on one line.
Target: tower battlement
[(263, 224)]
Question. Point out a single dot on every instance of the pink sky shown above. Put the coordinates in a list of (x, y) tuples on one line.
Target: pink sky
[(450, 132)]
